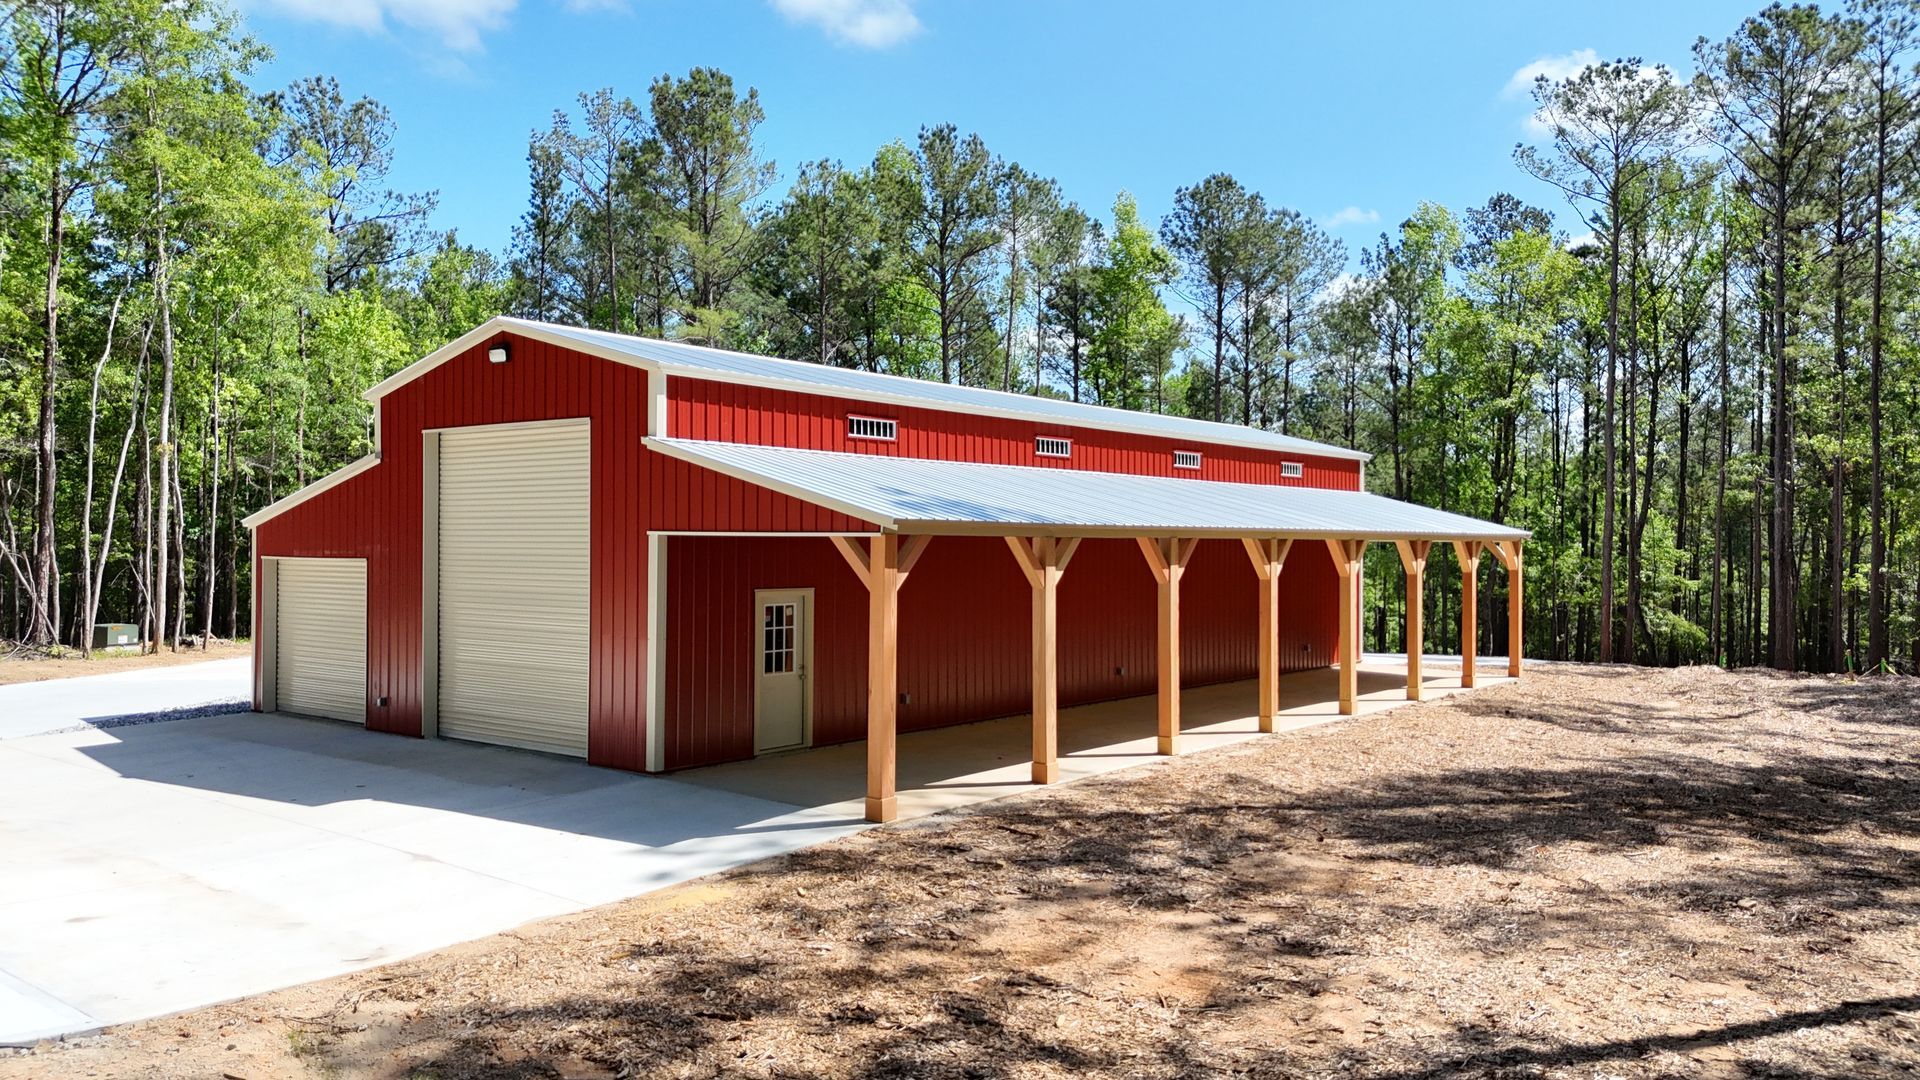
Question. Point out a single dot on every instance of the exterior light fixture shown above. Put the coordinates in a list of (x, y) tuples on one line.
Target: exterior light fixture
[(497, 354)]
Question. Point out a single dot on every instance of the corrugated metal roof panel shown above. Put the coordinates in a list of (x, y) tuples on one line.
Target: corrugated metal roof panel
[(924, 495), (678, 358)]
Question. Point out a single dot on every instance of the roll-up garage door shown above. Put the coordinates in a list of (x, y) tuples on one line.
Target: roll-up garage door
[(320, 638), (513, 586)]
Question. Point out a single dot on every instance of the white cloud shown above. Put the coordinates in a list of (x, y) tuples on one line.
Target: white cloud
[(1556, 68), (457, 24), (872, 24), (1351, 215), (1343, 283), (1585, 239), (1559, 69)]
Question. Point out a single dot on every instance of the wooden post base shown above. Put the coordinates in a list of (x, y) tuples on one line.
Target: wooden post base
[(881, 811)]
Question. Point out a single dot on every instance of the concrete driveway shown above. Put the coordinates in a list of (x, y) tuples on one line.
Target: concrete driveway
[(122, 697), (155, 868)]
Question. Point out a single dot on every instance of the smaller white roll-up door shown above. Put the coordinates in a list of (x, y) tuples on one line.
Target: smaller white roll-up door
[(514, 576), (320, 638)]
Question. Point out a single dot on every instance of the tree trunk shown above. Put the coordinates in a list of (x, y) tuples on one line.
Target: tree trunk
[(1782, 626), (46, 579), (1607, 425)]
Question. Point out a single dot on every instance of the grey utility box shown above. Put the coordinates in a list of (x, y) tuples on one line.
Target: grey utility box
[(108, 634)]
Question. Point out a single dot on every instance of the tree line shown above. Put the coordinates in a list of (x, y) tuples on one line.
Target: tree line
[(1693, 377)]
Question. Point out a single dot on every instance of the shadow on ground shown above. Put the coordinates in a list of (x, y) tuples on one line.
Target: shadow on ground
[(1372, 909)]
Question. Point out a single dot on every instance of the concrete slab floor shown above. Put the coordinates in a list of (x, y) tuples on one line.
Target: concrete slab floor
[(157, 868), (957, 766)]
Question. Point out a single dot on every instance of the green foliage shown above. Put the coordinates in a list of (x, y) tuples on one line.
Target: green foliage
[(1695, 389)]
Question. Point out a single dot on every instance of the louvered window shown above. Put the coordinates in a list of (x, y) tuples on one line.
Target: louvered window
[(1292, 470), (1186, 459), (1048, 446), (872, 427)]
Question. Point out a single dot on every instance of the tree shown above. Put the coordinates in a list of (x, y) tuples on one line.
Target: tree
[(1776, 87), (1309, 261), (594, 163), (946, 209), (713, 175), (1135, 339), (542, 239), (1070, 246), (1612, 126), (1210, 230), (817, 242), (1026, 202), (63, 55), (346, 150), (1889, 108)]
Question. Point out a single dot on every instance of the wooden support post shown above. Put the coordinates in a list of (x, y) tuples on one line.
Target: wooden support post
[(883, 655), (1044, 560), (1268, 557), (1347, 556), (882, 567), (1508, 552), (1413, 559), (1167, 558), (1469, 552)]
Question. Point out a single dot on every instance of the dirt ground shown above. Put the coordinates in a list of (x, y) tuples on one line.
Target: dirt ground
[(26, 669), (1597, 873)]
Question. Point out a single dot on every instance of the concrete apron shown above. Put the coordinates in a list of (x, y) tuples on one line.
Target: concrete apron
[(952, 767)]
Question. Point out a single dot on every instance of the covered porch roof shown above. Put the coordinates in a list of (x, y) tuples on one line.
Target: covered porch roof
[(922, 496), (1045, 513)]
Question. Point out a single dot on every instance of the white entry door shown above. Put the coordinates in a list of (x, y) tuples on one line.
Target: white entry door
[(782, 695)]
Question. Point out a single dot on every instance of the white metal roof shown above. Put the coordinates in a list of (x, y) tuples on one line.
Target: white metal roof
[(920, 495), (694, 361)]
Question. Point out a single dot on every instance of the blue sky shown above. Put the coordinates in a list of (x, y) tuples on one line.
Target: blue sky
[(1352, 113)]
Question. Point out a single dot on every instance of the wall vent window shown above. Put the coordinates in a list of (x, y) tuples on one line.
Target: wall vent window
[(872, 427), (1292, 469), (1186, 459), (1048, 446)]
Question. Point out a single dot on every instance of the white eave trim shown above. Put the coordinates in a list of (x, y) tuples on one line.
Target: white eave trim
[(499, 324), (333, 479)]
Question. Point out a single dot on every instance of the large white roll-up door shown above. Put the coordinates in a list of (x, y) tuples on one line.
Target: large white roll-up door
[(320, 638), (514, 578)]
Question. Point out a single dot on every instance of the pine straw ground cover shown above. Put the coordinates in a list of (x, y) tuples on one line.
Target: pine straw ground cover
[(1596, 873)]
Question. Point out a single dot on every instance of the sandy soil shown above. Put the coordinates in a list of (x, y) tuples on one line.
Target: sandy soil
[(40, 669), (1596, 873)]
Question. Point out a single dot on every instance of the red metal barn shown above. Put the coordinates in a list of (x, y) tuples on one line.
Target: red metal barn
[(656, 556)]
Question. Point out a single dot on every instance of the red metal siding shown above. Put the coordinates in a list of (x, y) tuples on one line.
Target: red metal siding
[(377, 516), (964, 652), (731, 412), (964, 616), (687, 498)]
